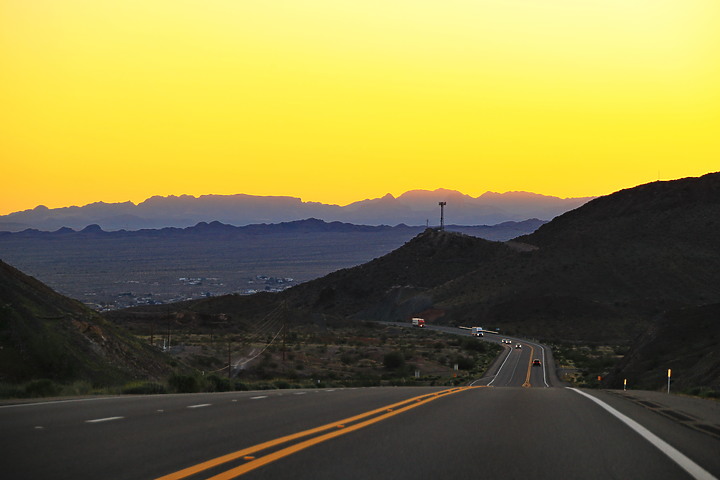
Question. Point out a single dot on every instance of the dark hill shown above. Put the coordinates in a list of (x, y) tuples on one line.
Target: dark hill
[(685, 341), (378, 289), (46, 335), (598, 273), (680, 212), (602, 273), (390, 287)]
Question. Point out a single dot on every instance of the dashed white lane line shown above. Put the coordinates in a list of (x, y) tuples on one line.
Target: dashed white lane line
[(106, 419), (259, 397), (695, 470), (300, 393), (201, 405)]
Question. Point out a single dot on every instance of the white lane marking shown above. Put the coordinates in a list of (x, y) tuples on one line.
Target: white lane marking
[(695, 470), (34, 404), (543, 365), (512, 375), (258, 397), (300, 393), (39, 427), (201, 405), (100, 420), (501, 366)]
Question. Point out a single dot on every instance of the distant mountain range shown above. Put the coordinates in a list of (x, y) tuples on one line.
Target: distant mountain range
[(640, 267), (101, 267), (415, 208), (605, 273)]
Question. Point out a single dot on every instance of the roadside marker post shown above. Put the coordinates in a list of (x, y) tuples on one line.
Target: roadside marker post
[(625, 385), (669, 375)]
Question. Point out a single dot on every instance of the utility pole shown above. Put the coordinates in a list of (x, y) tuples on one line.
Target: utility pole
[(229, 359), (168, 328), (442, 215)]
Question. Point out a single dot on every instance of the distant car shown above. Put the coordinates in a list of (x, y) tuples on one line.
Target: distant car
[(536, 363), (506, 340), (517, 345)]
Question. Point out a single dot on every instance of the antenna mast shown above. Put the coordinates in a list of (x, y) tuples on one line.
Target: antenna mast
[(442, 215)]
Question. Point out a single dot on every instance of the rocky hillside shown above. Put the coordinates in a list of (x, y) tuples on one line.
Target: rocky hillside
[(603, 273), (605, 270), (685, 341), (46, 335)]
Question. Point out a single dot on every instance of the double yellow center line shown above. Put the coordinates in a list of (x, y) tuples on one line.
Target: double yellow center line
[(529, 370), (332, 430)]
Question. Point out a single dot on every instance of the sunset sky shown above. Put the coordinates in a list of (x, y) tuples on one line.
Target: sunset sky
[(341, 100)]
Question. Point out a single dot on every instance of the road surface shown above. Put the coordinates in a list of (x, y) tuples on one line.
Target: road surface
[(494, 429)]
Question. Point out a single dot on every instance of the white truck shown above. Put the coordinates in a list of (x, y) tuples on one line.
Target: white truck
[(476, 331), (418, 322)]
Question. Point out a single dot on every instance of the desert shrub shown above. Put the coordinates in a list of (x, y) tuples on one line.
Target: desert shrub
[(184, 383), (282, 384), (80, 387), (218, 384), (242, 387), (464, 363), (705, 392), (11, 391), (143, 388), (473, 345), (393, 360), (42, 388)]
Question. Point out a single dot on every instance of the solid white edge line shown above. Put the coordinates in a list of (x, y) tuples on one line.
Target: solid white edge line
[(543, 365), (501, 366), (108, 419), (695, 470), (258, 397), (201, 405), (52, 402)]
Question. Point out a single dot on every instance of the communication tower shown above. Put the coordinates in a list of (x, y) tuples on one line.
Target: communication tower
[(442, 215)]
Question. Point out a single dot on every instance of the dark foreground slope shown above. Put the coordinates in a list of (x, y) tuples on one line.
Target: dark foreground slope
[(685, 341), (603, 273), (46, 335)]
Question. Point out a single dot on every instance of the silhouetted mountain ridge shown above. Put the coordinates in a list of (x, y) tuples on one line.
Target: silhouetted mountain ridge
[(602, 273), (417, 207), (504, 230)]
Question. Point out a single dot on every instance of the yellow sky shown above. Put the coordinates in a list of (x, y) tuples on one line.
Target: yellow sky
[(340, 100)]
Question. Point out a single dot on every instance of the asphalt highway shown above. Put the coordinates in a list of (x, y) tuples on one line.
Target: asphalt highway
[(516, 422)]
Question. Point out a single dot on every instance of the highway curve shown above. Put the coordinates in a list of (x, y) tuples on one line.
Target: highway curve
[(516, 422)]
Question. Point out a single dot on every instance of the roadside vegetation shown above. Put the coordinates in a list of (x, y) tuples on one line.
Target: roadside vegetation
[(586, 365), (368, 354)]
